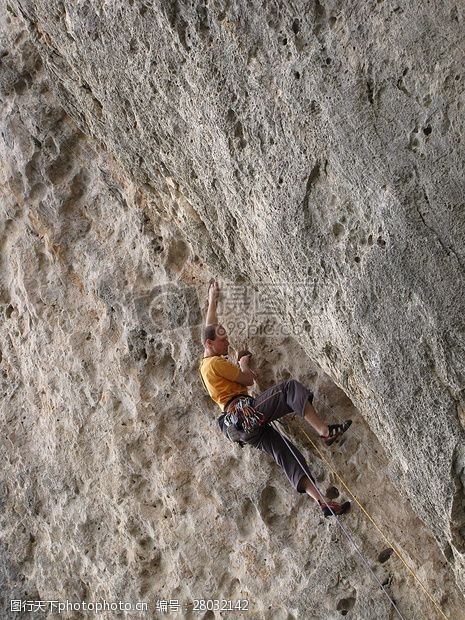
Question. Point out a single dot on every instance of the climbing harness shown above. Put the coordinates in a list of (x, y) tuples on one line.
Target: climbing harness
[(346, 532), (243, 416)]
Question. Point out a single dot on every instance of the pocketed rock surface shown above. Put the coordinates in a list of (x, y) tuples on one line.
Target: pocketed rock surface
[(311, 156)]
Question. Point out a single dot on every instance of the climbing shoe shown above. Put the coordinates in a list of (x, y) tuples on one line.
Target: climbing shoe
[(337, 509), (335, 431)]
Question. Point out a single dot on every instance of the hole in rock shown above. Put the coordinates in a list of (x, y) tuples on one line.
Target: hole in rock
[(385, 555), (332, 492), (345, 605)]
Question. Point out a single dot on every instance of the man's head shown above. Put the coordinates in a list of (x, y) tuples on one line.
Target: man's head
[(215, 339)]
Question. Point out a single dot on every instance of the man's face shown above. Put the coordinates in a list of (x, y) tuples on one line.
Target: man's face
[(221, 343)]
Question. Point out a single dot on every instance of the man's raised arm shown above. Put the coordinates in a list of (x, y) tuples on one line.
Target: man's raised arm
[(213, 294)]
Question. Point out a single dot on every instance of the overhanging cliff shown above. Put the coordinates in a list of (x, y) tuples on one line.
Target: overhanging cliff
[(299, 144)]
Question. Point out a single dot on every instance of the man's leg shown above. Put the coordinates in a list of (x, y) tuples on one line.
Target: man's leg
[(289, 396), (283, 398), (271, 441), (295, 467), (286, 397), (307, 485), (312, 418)]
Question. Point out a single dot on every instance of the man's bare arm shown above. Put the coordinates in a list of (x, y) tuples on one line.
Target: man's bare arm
[(213, 294), (247, 377)]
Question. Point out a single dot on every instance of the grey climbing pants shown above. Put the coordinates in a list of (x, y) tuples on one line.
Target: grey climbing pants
[(275, 402)]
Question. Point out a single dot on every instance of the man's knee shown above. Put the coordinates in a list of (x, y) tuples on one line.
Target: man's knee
[(295, 385), (298, 388)]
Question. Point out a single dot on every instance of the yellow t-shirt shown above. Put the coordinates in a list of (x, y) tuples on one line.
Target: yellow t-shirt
[(220, 378)]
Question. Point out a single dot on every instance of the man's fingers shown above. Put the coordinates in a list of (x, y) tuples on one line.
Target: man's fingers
[(245, 359), (213, 288)]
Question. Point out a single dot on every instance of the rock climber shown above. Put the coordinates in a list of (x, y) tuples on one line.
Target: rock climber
[(248, 420)]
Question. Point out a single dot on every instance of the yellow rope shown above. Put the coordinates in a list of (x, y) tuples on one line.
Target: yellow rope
[(379, 530)]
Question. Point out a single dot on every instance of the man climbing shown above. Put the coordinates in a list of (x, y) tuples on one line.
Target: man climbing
[(248, 420)]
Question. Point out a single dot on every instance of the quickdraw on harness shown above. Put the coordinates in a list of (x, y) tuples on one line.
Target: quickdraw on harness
[(243, 416)]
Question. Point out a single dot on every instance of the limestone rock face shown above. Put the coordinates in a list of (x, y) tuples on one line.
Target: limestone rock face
[(313, 147)]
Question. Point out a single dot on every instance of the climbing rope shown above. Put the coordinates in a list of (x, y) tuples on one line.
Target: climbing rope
[(344, 529)]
